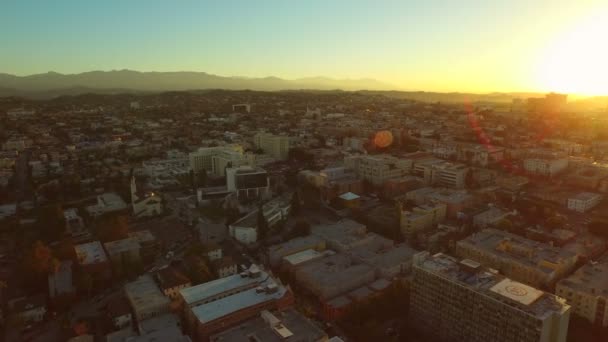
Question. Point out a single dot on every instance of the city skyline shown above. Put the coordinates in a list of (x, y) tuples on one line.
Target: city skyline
[(467, 46)]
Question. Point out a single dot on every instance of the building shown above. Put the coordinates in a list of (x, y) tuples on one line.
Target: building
[(275, 145), (219, 304), (489, 217), (31, 309), (584, 201), (202, 159), (145, 298), (587, 291), (123, 252), (248, 182), (245, 229), (213, 251), (74, 224), (144, 204), (91, 258), (106, 203), (527, 261), (463, 301), (60, 282), (377, 169), (284, 326), (420, 218), (170, 281), (150, 246), (165, 327), (119, 311), (445, 174), (545, 163), (277, 252), (333, 275), (225, 267)]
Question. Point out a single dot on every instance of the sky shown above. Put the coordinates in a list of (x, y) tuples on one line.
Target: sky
[(466, 45)]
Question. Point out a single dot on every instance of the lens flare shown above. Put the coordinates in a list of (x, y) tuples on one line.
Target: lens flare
[(383, 139)]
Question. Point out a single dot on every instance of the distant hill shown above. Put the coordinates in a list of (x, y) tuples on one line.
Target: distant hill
[(54, 83)]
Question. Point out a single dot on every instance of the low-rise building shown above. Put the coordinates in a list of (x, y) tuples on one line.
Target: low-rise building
[(421, 218), (584, 201), (225, 267), (119, 312), (145, 298), (92, 259), (288, 325), (107, 203), (31, 309), (225, 302), (586, 291), (531, 262), (277, 252), (123, 252), (170, 281)]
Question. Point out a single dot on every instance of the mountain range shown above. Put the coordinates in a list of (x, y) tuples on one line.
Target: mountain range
[(53, 83)]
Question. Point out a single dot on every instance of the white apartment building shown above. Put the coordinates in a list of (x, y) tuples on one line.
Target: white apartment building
[(545, 163), (202, 159), (445, 174), (461, 300), (275, 145), (584, 201)]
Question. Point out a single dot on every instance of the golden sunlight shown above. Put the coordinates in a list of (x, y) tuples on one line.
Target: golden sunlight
[(577, 60)]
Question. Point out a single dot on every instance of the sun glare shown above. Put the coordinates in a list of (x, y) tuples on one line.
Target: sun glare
[(577, 60)]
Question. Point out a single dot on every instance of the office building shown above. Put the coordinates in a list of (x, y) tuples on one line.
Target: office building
[(248, 182), (377, 169), (420, 218), (275, 145)]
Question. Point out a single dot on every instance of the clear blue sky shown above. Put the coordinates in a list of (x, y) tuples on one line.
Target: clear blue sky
[(433, 45)]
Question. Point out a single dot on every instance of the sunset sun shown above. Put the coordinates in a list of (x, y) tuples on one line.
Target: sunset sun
[(576, 61)]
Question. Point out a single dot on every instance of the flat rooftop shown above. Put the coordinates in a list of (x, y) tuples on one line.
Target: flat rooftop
[(144, 294), (517, 248), (227, 305), (90, 253), (590, 278), (120, 246), (303, 256), (488, 282), (193, 295), (300, 328)]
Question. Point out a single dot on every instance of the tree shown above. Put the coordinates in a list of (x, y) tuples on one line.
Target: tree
[(38, 263), (262, 224), (295, 203)]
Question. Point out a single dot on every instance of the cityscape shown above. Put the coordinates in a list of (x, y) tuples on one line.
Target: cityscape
[(368, 204)]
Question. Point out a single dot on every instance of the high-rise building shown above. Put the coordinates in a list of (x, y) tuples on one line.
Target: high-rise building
[(464, 302)]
